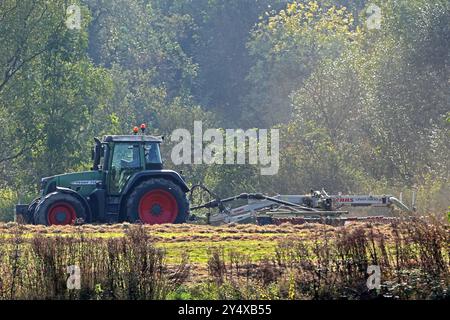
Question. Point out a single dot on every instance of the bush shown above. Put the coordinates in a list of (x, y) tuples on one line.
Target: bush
[(8, 199), (129, 267)]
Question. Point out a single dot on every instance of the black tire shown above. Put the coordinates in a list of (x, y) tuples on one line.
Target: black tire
[(45, 210), (32, 210), (166, 187)]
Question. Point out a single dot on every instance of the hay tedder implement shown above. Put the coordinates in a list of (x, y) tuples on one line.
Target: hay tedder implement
[(317, 207)]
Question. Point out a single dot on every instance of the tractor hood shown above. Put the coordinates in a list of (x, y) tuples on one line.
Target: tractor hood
[(81, 182)]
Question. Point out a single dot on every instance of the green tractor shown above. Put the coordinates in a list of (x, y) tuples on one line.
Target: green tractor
[(127, 183)]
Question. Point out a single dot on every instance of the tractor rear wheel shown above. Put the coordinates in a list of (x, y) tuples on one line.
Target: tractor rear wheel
[(59, 209), (157, 201)]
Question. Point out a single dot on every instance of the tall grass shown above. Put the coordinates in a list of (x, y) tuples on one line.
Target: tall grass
[(332, 264), (413, 259), (117, 268)]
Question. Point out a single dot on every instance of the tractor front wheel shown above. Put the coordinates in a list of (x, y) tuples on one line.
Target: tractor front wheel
[(157, 201), (59, 209)]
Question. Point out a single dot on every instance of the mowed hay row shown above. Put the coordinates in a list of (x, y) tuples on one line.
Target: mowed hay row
[(168, 228), (286, 228)]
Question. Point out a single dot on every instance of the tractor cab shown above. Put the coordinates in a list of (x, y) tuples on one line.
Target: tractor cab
[(127, 182), (121, 156)]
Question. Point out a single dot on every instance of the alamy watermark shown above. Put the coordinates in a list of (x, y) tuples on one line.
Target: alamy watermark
[(73, 20), (374, 17), (229, 146), (74, 279), (374, 279)]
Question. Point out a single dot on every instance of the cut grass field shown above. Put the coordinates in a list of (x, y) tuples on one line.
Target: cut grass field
[(233, 261), (196, 240)]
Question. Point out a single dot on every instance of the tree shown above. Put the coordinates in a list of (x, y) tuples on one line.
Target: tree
[(27, 28), (286, 48), (406, 83), (49, 103)]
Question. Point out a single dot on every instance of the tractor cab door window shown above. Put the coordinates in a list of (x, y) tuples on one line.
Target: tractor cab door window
[(125, 162), (102, 158), (152, 156)]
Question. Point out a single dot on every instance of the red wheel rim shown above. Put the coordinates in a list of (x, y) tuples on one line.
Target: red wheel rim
[(61, 213), (158, 206)]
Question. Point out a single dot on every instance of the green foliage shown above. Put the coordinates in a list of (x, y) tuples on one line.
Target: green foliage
[(217, 43), (287, 47), (369, 110), (359, 110), (8, 199)]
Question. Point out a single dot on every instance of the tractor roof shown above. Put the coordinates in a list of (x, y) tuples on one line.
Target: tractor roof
[(133, 138)]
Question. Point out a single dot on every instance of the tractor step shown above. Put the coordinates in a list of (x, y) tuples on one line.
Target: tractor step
[(112, 217)]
